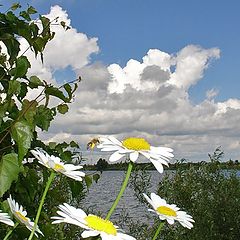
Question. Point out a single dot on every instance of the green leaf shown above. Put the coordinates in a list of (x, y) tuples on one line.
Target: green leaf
[(13, 109), (74, 144), (61, 146), (52, 145), (22, 66), (15, 6), (11, 17), (29, 110), (23, 90), (66, 156), (22, 135), (12, 47), (3, 109), (68, 89), (6, 36), (31, 10), (25, 32), (63, 108), (35, 82), (43, 117), (25, 15), (75, 87), (63, 24), (14, 87), (34, 29), (96, 177), (39, 44), (9, 170), (46, 26), (45, 22), (76, 188), (56, 93), (88, 181)]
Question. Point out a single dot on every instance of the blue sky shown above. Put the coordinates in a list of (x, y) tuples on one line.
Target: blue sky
[(128, 28), (183, 88)]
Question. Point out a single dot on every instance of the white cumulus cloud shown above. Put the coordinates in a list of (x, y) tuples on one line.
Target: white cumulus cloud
[(188, 64), (68, 48), (148, 98)]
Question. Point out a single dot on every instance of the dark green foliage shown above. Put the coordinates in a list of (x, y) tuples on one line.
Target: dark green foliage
[(204, 190), (210, 195), (140, 182), (20, 121), (9, 170), (102, 164), (22, 134)]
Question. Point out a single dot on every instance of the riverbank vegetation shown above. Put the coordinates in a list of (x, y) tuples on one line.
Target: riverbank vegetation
[(211, 195)]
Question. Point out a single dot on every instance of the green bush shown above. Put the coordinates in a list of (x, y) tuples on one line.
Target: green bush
[(21, 119), (208, 193)]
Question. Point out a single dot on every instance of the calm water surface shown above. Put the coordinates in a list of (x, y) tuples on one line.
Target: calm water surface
[(103, 193)]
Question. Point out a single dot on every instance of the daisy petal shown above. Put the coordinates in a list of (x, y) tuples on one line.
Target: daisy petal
[(89, 233), (5, 218), (134, 156), (157, 165), (114, 140), (115, 157), (170, 221)]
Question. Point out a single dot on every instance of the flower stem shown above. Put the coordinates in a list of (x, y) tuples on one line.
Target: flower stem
[(124, 185), (50, 179), (10, 231), (158, 230)]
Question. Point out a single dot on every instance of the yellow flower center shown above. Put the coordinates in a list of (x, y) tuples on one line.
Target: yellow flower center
[(21, 216), (136, 144), (166, 211), (58, 167), (100, 224)]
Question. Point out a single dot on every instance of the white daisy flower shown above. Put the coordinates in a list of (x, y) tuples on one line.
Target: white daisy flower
[(21, 215), (169, 212), (133, 147), (57, 165), (5, 218), (94, 225)]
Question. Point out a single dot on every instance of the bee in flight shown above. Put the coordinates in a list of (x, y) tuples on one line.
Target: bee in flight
[(92, 143)]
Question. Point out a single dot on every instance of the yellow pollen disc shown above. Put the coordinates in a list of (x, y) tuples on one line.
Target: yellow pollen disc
[(21, 216), (58, 167), (100, 224), (166, 211), (136, 144)]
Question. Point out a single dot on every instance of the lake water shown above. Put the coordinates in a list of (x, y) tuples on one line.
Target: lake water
[(103, 193)]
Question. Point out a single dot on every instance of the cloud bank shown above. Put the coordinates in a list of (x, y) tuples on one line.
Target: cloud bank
[(148, 98)]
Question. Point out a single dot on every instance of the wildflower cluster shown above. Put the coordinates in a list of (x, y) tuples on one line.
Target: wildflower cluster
[(94, 225)]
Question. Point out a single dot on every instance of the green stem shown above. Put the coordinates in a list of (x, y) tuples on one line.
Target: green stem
[(50, 179), (124, 185), (158, 230), (10, 231)]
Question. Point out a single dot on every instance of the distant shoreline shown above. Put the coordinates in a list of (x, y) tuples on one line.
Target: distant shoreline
[(103, 165)]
